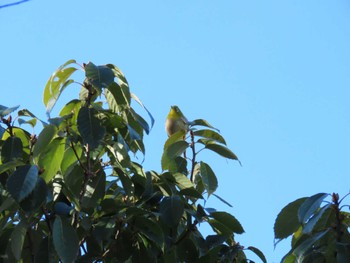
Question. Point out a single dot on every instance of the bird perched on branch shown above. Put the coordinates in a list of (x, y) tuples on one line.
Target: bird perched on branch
[(176, 121)]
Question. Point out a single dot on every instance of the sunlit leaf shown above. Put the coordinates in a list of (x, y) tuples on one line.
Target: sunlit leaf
[(44, 139), (210, 134), (172, 151), (65, 240), (222, 150), (310, 225), (27, 113), (56, 84), (22, 182), (201, 122)]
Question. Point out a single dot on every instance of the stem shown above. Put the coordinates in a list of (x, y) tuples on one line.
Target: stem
[(339, 218), (193, 156)]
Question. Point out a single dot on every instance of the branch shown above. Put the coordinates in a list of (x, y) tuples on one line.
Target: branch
[(15, 3)]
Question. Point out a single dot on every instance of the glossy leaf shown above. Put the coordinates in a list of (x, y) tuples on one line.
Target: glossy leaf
[(310, 205), (90, 127), (287, 220), (144, 107), (65, 240), (210, 134), (17, 239), (6, 111), (208, 177), (302, 249), (95, 190), (27, 113), (56, 84), (36, 198), (99, 76), (116, 97), (310, 225), (229, 221), (50, 160), (258, 253), (12, 149), (150, 229), (44, 139), (171, 210), (22, 182), (221, 150)]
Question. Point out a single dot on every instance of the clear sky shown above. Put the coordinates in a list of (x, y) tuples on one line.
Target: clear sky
[(272, 75)]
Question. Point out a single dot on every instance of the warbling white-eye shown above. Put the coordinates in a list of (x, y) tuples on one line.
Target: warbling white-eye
[(176, 121)]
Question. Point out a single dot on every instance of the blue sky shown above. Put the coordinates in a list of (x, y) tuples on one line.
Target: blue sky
[(273, 76)]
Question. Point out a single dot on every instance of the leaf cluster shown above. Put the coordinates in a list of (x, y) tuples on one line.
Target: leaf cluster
[(76, 193), (319, 229)]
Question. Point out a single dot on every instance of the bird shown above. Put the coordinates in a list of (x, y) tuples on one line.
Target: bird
[(176, 121)]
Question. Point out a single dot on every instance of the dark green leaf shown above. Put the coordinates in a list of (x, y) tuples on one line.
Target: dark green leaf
[(17, 239), (37, 198), (118, 97), (302, 249), (287, 220), (56, 84), (12, 149), (90, 127), (309, 207), (228, 221), (343, 253), (62, 208), (222, 200), (150, 229), (187, 251), (210, 134), (22, 182), (222, 150), (258, 253), (65, 240), (171, 210), (99, 76), (208, 177), (44, 138), (50, 160), (95, 190), (10, 165), (182, 181), (179, 165)]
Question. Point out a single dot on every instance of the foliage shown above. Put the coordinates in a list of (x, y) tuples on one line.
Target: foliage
[(74, 192), (319, 229)]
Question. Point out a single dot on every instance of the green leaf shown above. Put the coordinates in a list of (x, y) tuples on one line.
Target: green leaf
[(258, 253), (208, 177), (302, 249), (99, 76), (182, 181), (95, 190), (343, 252), (222, 200), (310, 225), (201, 122), (56, 84), (6, 111), (62, 208), (12, 149), (222, 150), (309, 207), (22, 182), (27, 113), (69, 157), (17, 239), (90, 127), (31, 122), (10, 165), (143, 106), (287, 220), (118, 97), (65, 240), (171, 210), (44, 139), (36, 198), (50, 160), (172, 151), (210, 134), (118, 74), (150, 229), (228, 221)]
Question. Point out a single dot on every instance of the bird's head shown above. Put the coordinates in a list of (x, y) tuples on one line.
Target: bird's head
[(175, 112)]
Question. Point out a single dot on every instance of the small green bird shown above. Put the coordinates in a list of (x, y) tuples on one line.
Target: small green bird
[(176, 121)]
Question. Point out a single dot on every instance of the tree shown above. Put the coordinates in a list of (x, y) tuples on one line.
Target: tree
[(319, 229), (75, 192)]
